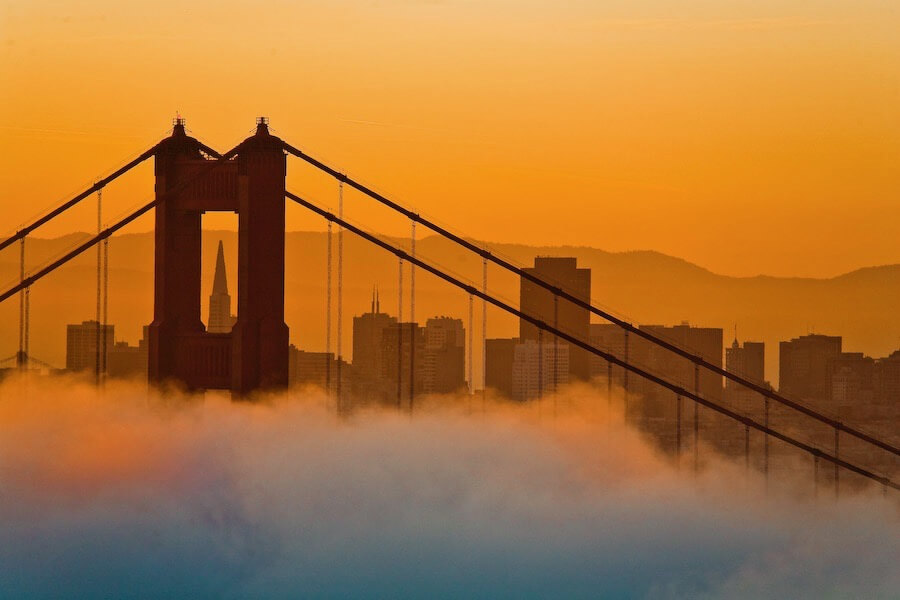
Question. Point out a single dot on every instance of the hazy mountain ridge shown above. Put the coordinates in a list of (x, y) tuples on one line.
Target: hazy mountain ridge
[(643, 286)]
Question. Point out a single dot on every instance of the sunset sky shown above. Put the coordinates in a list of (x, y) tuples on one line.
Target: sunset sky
[(746, 136)]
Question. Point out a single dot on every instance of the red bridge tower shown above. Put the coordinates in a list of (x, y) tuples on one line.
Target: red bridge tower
[(251, 183)]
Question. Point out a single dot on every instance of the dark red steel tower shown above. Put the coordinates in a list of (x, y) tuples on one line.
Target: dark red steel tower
[(254, 355)]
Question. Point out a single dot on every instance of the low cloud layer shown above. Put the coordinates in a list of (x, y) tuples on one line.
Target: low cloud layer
[(126, 494)]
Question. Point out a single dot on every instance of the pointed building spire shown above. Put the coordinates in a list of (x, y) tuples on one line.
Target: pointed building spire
[(220, 282), (373, 299), (220, 318), (377, 301)]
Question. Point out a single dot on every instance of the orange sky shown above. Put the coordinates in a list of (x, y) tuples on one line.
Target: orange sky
[(748, 137)]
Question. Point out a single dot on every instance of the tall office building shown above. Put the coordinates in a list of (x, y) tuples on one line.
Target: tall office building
[(748, 361), (652, 408), (851, 386), (318, 369), (220, 318), (499, 355), (368, 358), (402, 352), (803, 366), (536, 301), (81, 345), (886, 408), (538, 369), (444, 358), (610, 338)]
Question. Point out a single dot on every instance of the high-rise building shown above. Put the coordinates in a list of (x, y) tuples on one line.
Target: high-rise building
[(652, 408), (886, 408), (536, 301), (803, 366), (81, 345), (610, 338), (318, 369), (368, 357), (538, 369), (499, 355), (748, 361), (851, 386), (127, 362), (888, 379), (220, 318), (402, 353), (444, 358)]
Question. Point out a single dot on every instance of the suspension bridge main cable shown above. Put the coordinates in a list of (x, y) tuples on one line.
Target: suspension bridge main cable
[(28, 281), (99, 185), (628, 327), (571, 339)]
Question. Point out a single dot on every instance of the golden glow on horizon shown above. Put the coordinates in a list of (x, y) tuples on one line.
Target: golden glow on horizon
[(753, 137)]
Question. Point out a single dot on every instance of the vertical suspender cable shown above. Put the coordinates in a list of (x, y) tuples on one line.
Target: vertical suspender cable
[(609, 375), (747, 447), (471, 377), (399, 333), (27, 355), (696, 420), (340, 291), (484, 283), (555, 346), (105, 352), (540, 363), (98, 317), (328, 311), (837, 475), (678, 429), (625, 383), (20, 357), (412, 314), (815, 475), (766, 442)]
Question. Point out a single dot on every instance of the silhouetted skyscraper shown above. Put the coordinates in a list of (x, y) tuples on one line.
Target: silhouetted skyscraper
[(610, 338), (444, 359), (81, 345), (748, 361), (402, 354), (220, 318), (499, 355), (803, 366), (538, 370), (653, 408), (851, 385), (318, 369), (368, 358), (539, 302)]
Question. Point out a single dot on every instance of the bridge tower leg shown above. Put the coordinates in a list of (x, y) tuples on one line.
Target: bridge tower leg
[(176, 306), (260, 336)]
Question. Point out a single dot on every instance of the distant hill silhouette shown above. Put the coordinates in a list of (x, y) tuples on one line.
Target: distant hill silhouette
[(643, 286)]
